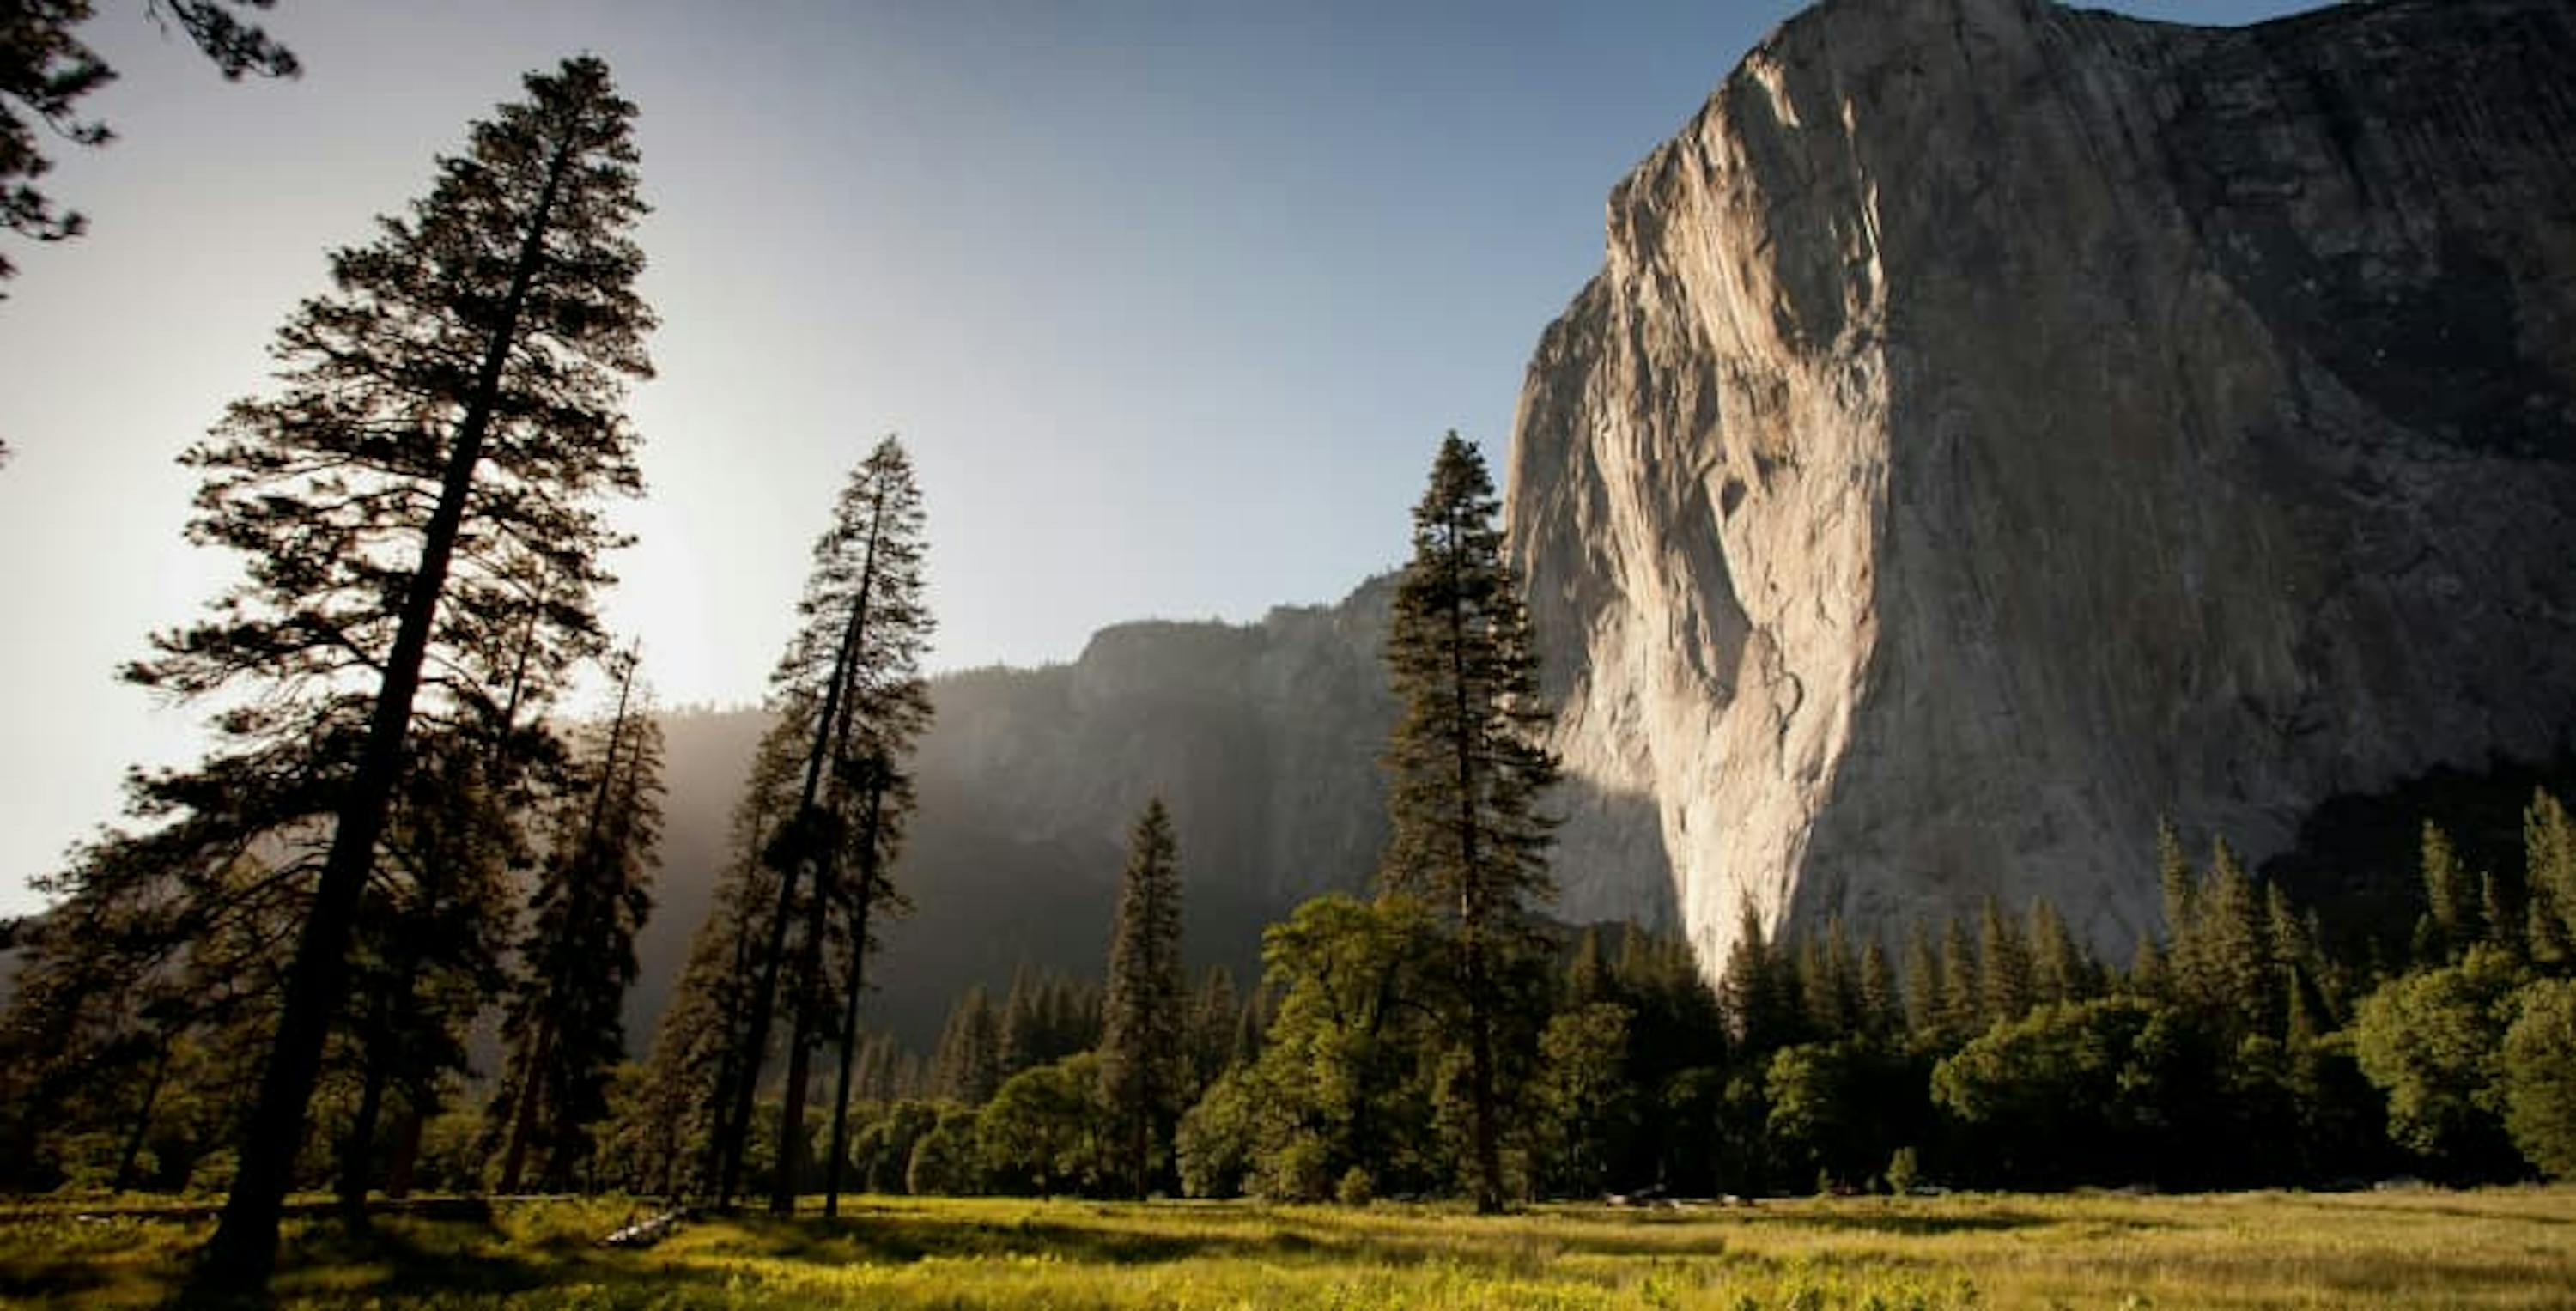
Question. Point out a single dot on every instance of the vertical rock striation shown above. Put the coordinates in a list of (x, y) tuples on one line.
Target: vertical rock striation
[(1999, 425)]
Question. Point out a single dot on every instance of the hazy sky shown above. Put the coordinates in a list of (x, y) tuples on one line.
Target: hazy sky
[(1171, 300)]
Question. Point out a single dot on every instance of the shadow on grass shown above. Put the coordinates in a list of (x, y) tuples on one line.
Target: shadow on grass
[(1919, 1224), (894, 1235)]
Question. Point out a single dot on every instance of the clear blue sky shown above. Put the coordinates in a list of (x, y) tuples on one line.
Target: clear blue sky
[(1171, 299)]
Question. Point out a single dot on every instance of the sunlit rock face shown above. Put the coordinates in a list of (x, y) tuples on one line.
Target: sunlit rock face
[(1999, 425)]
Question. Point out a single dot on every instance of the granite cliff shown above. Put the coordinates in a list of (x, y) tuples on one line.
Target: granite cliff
[(1997, 425)]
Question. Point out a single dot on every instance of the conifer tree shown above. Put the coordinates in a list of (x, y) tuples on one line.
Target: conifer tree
[(968, 1065), (1466, 770), (1962, 984), (2549, 878), (2059, 970), (1923, 971), (1215, 1009), (2450, 925), (1142, 1025), (702, 1052), (1882, 1005), (563, 1031), (851, 677), (2007, 985), (447, 411)]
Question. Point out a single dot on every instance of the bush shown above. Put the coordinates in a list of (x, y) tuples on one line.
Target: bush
[(1903, 1171), (2540, 1077), (1216, 1139), (2432, 1041), (946, 1159), (1356, 1188)]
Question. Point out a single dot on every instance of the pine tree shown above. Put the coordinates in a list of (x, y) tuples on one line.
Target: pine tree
[(563, 1030), (1142, 1026), (1022, 1033), (1962, 984), (1466, 770), (2181, 886), (2060, 971), (449, 409), (1882, 1002), (1923, 971), (2449, 926), (851, 679), (2007, 984), (1216, 1008), (707, 1030), (968, 1065), (431, 935), (2549, 877)]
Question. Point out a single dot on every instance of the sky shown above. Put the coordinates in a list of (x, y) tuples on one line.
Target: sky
[(1171, 300)]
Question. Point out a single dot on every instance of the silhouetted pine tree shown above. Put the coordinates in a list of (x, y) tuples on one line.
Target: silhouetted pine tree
[(450, 406), (701, 1052), (850, 678), (1466, 770), (563, 1031), (1143, 1028)]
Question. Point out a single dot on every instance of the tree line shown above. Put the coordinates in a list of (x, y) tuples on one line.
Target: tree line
[(2233, 1050)]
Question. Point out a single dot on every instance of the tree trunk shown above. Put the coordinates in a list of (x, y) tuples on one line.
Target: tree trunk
[(1471, 918), (858, 982), (243, 1251), (133, 1150), (356, 1148)]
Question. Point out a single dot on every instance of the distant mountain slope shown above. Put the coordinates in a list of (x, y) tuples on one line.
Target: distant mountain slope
[(1262, 738)]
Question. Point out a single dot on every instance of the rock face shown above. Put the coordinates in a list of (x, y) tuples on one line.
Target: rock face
[(1999, 425)]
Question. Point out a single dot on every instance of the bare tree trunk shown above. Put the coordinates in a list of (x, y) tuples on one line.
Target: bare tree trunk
[(858, 982)]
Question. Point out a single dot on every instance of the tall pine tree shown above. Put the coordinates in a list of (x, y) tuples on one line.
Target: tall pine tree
[(448, 411), (1142, 1045), (851, 681), (1466, 770)]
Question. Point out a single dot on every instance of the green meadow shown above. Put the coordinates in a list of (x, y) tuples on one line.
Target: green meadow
[(2495, 1248)]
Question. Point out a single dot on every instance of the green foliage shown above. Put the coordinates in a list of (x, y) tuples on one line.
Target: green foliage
[(1144, 1034), (949, 1158), (1220, 1137), (1586, 1097), (1838, 1109), (563, 1029), (1346, 1076), (1465, 770), (968, 1065), (2431, 1041), (1048, 1131), (2069, 1092), (2539, 1077), (1904, 1171)]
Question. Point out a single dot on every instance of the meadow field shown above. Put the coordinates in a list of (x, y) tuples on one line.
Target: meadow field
[(2415, 1248)]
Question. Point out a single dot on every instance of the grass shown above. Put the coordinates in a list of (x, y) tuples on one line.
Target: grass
[(2500, 1248)]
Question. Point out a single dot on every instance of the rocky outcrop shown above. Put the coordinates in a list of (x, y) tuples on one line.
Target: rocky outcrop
[(1999, 425)]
